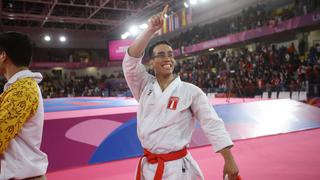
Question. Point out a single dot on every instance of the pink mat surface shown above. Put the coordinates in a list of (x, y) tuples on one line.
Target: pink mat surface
[(88, 113), (291, 156)]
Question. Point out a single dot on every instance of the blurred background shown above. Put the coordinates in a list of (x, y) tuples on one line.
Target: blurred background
[(227, 47), (257, 61)]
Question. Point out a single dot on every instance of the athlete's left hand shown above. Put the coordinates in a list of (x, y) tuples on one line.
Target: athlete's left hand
[(231, 169)]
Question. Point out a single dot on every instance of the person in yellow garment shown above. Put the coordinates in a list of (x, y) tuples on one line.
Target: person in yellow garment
[(21, 112)]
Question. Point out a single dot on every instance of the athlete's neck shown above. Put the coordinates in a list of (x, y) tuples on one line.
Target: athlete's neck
[(164, 81)]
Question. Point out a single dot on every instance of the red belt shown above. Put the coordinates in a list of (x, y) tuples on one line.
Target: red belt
[(160, 159)]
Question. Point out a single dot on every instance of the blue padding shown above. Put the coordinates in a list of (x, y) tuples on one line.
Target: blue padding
[(122, 143), (65, 104)]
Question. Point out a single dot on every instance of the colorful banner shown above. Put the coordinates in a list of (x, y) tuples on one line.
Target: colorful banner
[(171, 28), (183, 17), (118, 48), (176, 20), (164, 27), (189, 16)]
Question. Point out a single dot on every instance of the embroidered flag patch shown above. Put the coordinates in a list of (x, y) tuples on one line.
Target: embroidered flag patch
[(173, 102)]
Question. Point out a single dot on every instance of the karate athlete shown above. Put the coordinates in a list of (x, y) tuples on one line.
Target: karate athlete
[(21, 112), (167, 113)]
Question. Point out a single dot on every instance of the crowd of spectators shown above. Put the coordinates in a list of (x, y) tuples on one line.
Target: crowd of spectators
[(250, 18), (74, 86), (241, 72), (247, 73)]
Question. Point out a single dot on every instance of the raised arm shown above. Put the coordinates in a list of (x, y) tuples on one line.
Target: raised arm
[(134, 72), (154, 24)]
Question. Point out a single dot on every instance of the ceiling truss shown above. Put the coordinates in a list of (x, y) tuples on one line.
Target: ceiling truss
[(93, 15)]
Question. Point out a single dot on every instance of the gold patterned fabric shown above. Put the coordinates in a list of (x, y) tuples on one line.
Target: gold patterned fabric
[(17, 104)]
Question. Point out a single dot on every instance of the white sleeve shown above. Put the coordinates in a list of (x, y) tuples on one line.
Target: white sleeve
[(212, 125), (135, 74)]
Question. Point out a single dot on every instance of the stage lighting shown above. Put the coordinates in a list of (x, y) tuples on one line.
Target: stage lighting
[(125, 35), (134, 30), (62, 39), (143, 26), (193, 2), (47, 38)]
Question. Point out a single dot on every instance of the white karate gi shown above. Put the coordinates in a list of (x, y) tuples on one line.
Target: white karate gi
[(163, 130)]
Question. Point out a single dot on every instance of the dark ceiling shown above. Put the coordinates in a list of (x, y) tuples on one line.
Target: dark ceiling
[(92, 15)]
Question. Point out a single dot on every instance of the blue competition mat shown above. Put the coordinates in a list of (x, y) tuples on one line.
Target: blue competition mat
[(243, 121), (68, 104)]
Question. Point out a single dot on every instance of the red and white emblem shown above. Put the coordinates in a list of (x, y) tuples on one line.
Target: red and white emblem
[(173, 102)]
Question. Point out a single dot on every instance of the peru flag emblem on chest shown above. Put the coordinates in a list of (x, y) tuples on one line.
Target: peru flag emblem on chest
[(173, 103)]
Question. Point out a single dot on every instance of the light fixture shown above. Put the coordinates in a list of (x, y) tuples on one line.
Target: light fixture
[(134, 30), (62, 39), (193, 2), (47, 38), (143, 26), (125, 35)]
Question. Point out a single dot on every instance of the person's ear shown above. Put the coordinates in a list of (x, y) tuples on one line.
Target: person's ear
[(151, 63), (2, 56)]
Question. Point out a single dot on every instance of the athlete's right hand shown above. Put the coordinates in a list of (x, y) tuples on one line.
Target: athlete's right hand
[(156, 22)]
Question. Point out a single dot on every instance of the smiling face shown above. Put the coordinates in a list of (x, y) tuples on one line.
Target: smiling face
[(162, 60)]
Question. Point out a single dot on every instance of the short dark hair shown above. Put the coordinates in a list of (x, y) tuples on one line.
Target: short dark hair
[(150, 52), (18, 48)]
